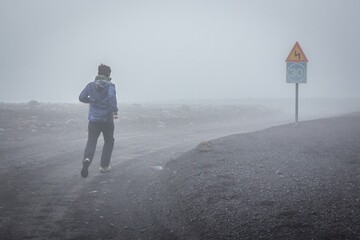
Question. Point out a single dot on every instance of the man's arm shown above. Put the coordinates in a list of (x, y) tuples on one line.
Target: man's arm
[(113, 100), (84, 95)]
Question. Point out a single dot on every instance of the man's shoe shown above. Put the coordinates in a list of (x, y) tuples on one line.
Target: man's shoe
[(105, 169), (84, 170)]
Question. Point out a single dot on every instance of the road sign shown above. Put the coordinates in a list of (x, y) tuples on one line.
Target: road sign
[(296, 72), (296, 54)]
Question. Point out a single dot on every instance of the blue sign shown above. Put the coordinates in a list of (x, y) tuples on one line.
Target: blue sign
[(296, 72)]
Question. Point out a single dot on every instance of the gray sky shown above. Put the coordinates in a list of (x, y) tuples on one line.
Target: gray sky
[(177, 50)]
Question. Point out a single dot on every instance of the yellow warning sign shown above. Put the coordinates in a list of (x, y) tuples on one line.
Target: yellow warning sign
[(296, 54)]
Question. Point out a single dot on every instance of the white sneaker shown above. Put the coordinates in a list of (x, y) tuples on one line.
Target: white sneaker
[(105, 169)]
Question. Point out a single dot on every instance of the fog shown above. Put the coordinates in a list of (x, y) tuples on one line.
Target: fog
[(177, 50), (205, 141)]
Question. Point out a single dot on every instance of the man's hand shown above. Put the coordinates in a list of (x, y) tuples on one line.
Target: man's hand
[(116, 116)]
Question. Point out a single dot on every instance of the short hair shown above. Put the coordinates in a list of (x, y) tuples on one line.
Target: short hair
[(104, 70)]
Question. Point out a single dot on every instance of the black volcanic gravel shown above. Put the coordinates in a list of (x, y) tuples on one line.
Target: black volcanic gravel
[(297, 181)]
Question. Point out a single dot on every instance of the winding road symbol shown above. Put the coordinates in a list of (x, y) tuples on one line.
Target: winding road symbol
[(296, 54)]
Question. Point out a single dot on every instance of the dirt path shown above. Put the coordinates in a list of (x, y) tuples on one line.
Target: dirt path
[(44, 197)]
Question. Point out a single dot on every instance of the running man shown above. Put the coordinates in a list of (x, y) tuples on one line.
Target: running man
[(101, 95)]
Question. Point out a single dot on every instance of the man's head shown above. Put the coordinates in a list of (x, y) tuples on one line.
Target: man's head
[(104, 70)]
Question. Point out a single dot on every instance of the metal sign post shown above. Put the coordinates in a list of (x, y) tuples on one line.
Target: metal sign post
[(296, 102), (296, 72)]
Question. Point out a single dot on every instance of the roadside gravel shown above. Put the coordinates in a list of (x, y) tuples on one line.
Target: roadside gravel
[(297, 181)]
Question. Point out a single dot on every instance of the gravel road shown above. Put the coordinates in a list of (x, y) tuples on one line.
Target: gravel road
[(43, 195), (287, 181)]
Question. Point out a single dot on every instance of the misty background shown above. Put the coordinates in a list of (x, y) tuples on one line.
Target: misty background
[(177, 50)]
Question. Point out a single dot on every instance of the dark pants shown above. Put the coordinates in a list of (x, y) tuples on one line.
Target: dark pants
[(95, 128)]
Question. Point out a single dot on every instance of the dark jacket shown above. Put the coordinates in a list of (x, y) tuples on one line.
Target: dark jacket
[(101, 95)]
